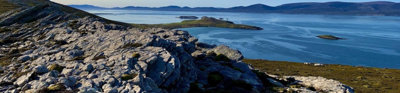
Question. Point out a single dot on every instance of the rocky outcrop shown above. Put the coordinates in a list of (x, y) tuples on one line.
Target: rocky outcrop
[(66, 52), (310, 84), (323, 84)]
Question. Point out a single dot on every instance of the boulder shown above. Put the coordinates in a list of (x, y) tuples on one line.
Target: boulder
[(68, 81), (228, 52), (23, 79), (40, 69), (323, 84), (88, 67), (24, 58)]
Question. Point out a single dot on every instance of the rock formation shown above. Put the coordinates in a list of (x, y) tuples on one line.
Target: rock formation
[(48, 47)]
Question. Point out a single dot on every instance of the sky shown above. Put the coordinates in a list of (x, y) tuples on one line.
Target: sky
[(192, 3)]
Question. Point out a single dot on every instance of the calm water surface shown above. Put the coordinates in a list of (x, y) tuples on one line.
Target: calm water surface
[(372, 41)]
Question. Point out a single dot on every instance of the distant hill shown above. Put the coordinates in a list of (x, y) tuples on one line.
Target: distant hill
[(378, 8), (85, 7)]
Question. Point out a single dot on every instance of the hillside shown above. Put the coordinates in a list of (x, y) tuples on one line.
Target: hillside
[(47, 47), (379, 8), (6, 6)]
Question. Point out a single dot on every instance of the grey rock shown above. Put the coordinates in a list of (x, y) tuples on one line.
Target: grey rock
[(228, 52), (233, 74), (67, 71), (23, 79), (40, 69), (68, 81), (324, 84), (113, 90), (89, 90), (276, 83), (108, 88), (198, 54), (92, 76), (52, 74), (26, 87), (88, 67), (112, 81), (36, 84), (24, 58)]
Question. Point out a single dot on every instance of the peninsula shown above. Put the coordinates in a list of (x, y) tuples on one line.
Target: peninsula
[(203, 22)]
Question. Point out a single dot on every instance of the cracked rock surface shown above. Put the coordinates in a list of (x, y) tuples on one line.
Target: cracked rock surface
[(45, 48)]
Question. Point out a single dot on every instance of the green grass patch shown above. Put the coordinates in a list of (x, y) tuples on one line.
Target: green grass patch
[(55, 67), (56, 87), (362, 79), (5, 61)]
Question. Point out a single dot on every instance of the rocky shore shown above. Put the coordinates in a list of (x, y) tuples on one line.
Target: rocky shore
[(49, 48)]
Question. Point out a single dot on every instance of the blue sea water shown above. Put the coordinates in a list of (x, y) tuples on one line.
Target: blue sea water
[(372, 41)]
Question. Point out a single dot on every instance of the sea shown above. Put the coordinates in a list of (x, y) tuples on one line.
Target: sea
[(369, 41)]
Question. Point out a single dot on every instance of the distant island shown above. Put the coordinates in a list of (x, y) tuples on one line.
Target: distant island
[(188, 17), (203, 22), (378, 8)]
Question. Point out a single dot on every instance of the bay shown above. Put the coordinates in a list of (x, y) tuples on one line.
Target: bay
[(372, 41)]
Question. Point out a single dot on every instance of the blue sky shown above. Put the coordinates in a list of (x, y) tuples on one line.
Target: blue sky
[(192, 3)]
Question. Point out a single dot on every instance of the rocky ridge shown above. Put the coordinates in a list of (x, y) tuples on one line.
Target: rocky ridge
[(47, 47)]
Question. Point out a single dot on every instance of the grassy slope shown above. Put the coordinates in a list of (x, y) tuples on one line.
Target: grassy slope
[(204, 22), (5, 6), (362, 79)]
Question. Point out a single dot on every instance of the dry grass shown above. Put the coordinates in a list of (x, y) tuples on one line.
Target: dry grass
[(6, 6), (362, 79)]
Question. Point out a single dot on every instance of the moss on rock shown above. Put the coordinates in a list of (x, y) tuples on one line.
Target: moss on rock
[(135, 55), (56, 87), (128, 76), (55, 67)]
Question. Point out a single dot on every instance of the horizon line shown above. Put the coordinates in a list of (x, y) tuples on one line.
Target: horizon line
[(232, 6)]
